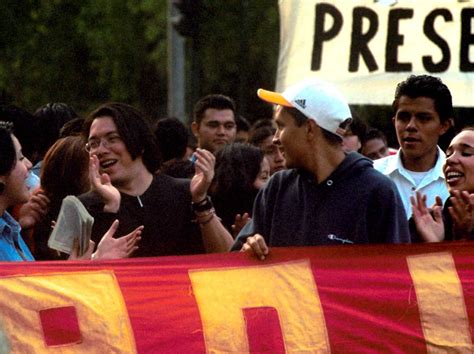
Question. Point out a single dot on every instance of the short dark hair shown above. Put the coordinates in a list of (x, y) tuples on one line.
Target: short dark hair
[(133, 128), (7, 151), (215, 101), (242, 124), (374, 133), (51, 118), (172, 138), (258, 136), (426, 86), (300, 119)]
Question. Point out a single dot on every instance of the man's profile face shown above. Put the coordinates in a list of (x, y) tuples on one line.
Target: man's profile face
[(418, 126), (216, 129), (290, 138), (273, 154)]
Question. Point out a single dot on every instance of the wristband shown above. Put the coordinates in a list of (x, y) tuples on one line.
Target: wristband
[(203, 205)]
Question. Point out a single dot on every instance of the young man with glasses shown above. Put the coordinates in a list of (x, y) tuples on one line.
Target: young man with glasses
[(177, 215)]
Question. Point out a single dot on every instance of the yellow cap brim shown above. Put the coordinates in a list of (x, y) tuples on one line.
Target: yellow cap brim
[(273, 97)]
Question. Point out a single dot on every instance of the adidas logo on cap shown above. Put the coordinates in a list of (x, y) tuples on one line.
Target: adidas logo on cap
[(301, 103)]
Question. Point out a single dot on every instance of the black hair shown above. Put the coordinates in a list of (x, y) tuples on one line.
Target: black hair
[(258, 136), (51, 118), (133, 128), (73, 127), (374, 133), (242, 124), (232, 190), (237, 167), (215, 101), (172, 138), (7, 152), (426, 86)]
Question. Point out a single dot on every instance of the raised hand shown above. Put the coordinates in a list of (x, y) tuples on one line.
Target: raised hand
[(204, 167), (122, 247), (462, 213), (239, 222), (429, 222), (103, 186), (34, 210)]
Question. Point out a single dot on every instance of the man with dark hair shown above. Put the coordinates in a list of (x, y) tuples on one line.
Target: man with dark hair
[(123, 150), (326, 196), (374, 144), (423, 112), (214, 122)]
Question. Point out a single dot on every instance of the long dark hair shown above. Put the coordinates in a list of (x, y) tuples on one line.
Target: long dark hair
[(7, 153), (232, 190)]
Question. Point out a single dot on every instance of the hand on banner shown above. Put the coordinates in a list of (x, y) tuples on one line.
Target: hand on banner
[(429, 222), (256, 245)]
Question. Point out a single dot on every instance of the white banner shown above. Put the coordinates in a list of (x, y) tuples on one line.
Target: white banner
[(367, 47)]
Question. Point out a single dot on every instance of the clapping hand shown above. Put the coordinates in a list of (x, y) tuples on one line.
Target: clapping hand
[(103, 186), (429, 222)]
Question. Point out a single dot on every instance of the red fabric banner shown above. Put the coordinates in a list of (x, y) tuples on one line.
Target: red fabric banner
[(371, 299)]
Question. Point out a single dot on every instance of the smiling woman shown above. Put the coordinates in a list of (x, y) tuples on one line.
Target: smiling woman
[(456, 219), (14, 169)]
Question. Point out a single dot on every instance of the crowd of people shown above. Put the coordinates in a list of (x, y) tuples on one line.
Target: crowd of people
[(312, 175)]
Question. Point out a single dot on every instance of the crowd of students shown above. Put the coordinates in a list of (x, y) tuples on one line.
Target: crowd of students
[(297, 180)]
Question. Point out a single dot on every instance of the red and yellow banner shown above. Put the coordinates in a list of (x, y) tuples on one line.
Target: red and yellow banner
[(370, 299)]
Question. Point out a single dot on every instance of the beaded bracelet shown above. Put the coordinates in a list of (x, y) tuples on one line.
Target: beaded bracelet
[(201, 224)]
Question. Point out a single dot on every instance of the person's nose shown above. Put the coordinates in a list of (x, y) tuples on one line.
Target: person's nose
[(220, 130), (276, 138), (412, 124), (28, 164), (452, 159)]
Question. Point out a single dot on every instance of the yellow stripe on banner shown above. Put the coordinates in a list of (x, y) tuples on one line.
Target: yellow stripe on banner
[(441, 303), (96, 296), (288, 287)]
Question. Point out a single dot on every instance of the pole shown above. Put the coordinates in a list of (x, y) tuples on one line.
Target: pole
[(176, 61)]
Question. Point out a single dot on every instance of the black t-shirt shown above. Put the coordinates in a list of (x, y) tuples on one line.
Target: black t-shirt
[(164, 210)]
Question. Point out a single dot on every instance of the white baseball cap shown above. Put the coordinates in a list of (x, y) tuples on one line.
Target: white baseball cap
[(316, 99)]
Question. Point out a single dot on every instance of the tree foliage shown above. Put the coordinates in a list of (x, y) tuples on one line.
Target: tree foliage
[(87, 52)]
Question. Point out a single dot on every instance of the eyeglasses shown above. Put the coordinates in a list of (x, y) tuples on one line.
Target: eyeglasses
[(107, 142)]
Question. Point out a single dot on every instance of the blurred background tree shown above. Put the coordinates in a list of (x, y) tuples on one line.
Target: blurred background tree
[(86, 52)]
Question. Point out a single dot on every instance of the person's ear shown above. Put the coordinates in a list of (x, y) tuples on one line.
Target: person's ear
[(195, 129), (311, 128), (393, 121), (448, 123)]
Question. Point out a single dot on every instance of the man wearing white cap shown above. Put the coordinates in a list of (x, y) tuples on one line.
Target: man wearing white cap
[(326, 197)]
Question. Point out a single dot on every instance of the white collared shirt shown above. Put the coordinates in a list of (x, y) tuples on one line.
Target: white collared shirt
[(433, 183)]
